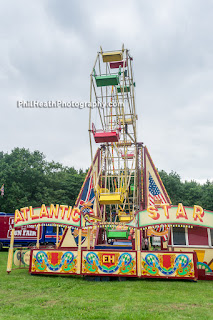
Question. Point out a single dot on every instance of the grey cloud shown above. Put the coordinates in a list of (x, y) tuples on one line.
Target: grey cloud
[(47, 52)]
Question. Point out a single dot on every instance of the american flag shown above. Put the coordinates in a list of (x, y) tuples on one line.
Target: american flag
[(2, 190), (155, 194), (87, 196)]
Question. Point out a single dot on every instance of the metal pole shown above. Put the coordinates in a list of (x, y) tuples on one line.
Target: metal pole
[(139, 251), (10, 252), (57, 232), (38, 236), (79, 251), (88, 238)]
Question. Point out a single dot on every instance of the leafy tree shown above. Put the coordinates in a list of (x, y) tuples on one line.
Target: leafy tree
[(207, 195), (173, 186), (30, 180), (188, 192)]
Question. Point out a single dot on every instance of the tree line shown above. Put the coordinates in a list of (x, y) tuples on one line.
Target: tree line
[(31, 180), (188, 192)]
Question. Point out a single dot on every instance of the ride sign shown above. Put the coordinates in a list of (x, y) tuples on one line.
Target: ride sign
[(58, 214), (167, 214)]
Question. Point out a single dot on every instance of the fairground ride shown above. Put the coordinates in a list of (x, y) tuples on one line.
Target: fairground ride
[(122, 204), (118, 185)]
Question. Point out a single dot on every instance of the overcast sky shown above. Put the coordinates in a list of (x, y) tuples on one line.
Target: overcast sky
[(47, 52)]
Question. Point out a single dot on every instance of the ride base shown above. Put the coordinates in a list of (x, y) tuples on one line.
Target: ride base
[(114, 263)]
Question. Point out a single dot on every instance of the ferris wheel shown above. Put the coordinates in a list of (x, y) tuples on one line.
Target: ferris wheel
[(112, 128)]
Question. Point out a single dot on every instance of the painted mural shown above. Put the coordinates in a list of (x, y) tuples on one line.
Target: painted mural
[(54, 261), (161, 264), (109, 263)]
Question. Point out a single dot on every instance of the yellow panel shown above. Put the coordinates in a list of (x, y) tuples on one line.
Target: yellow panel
[(211, 266), (111, 198), (112, 56), (200, 255), (68, 240), (125, 218)]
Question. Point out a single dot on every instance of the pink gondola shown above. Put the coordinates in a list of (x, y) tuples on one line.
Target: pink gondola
[(102, 136)]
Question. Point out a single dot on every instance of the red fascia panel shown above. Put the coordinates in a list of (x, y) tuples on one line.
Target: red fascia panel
[(117, 64), (198, 236), (101, 137)]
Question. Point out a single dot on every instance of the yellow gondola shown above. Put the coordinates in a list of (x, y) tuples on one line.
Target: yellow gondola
[(124, 217), (106, 197), (112, 56)]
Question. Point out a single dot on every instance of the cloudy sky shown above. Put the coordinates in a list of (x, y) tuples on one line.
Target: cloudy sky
[(47, 52)]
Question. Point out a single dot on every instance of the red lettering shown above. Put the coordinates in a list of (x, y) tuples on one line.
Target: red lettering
[(198, 213), (181, 212), (166, 207), (154, 213)]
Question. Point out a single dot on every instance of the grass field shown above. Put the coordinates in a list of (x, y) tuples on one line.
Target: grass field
[(23, 296)]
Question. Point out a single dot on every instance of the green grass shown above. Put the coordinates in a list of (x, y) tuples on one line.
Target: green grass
[(23, 296)]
